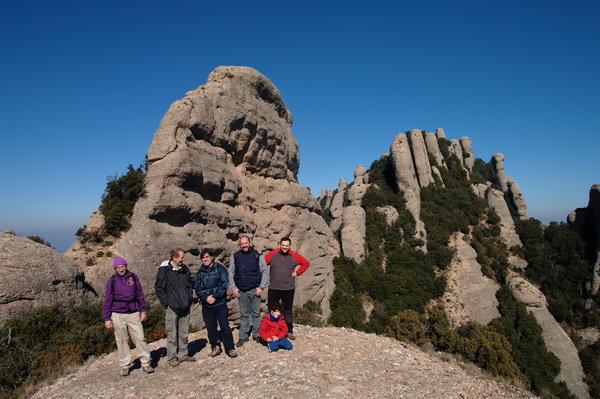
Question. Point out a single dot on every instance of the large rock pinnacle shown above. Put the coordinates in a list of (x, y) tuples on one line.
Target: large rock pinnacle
[(222, 164)]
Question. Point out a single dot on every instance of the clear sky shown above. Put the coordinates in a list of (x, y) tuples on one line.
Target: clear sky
[(84, 85)]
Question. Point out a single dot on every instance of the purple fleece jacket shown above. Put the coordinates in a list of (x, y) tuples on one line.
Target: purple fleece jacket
[(127, 288)]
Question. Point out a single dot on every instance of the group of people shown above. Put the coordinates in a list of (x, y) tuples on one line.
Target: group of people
[(248, 276)]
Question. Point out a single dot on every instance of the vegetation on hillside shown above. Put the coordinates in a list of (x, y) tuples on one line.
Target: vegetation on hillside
[(42, 344), (391, 290), (557, 263), (118, 200)]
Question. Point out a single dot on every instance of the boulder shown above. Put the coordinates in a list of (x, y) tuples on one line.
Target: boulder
[(33, 275), (439, 132)]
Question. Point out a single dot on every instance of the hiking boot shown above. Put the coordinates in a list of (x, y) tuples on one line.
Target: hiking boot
[(187, 359), (241, 342), (256, 339), (291, 336), (173, 363), (124, 371), (232, 353), (148, 369), (216, 351)]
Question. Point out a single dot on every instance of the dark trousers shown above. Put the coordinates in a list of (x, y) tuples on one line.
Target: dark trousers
[(219, 315), (287, 300)]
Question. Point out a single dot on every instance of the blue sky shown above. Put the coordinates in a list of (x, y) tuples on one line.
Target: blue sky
[(84, 85)]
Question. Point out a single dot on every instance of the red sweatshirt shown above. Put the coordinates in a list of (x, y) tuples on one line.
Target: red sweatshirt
[(271, 326)]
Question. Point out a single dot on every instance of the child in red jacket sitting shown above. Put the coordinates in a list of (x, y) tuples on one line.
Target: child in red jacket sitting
[(274, 329)]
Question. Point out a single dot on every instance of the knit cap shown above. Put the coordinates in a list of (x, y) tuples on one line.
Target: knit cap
[(118, 262)]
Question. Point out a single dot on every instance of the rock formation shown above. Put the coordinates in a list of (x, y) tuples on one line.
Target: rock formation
[(222, 164), (337, 206), (33, 275), (586, 222), (468, 153), (421, 159), (406, 177), (433, 148), (557, 340), (469, 296), (509, 186)]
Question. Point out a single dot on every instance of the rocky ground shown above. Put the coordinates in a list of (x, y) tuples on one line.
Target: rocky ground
[(325, 363)]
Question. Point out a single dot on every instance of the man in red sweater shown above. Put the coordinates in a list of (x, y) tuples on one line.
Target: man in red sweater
[(283, 272)]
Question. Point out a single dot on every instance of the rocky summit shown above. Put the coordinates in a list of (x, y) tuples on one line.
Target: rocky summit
[(324, 363), (224, 163)]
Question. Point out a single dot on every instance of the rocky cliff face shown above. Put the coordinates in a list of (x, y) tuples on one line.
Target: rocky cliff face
[(470, 296), (222, 164), (586, 221), (33, 275)]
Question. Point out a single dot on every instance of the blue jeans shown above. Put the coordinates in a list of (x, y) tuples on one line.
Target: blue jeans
[(281, 343), (212, 316), (249, 314)]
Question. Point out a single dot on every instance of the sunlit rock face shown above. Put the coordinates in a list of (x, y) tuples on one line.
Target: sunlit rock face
[(33, 275), (223, 164)]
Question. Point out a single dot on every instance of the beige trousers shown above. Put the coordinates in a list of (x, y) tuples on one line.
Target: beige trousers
[(130, 321)]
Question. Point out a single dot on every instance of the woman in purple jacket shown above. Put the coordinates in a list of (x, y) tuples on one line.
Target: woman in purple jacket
[(125, 310)]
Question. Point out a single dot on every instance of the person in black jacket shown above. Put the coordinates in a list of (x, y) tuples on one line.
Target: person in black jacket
[(174, 290)]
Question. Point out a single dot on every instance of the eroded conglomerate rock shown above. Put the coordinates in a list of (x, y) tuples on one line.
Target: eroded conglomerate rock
[(431, 141), (223, 163), (33, 275), (468, 153), (509, 186), (469, 296), (421, 159), (406, 177)]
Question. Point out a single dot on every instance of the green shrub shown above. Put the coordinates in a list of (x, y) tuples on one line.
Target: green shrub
[(44, 342), (119, 198), (408, 326), (309, 314), (39, 240)]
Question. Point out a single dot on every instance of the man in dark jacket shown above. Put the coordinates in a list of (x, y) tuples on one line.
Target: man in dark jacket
[(248, 277), (174, 290)]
